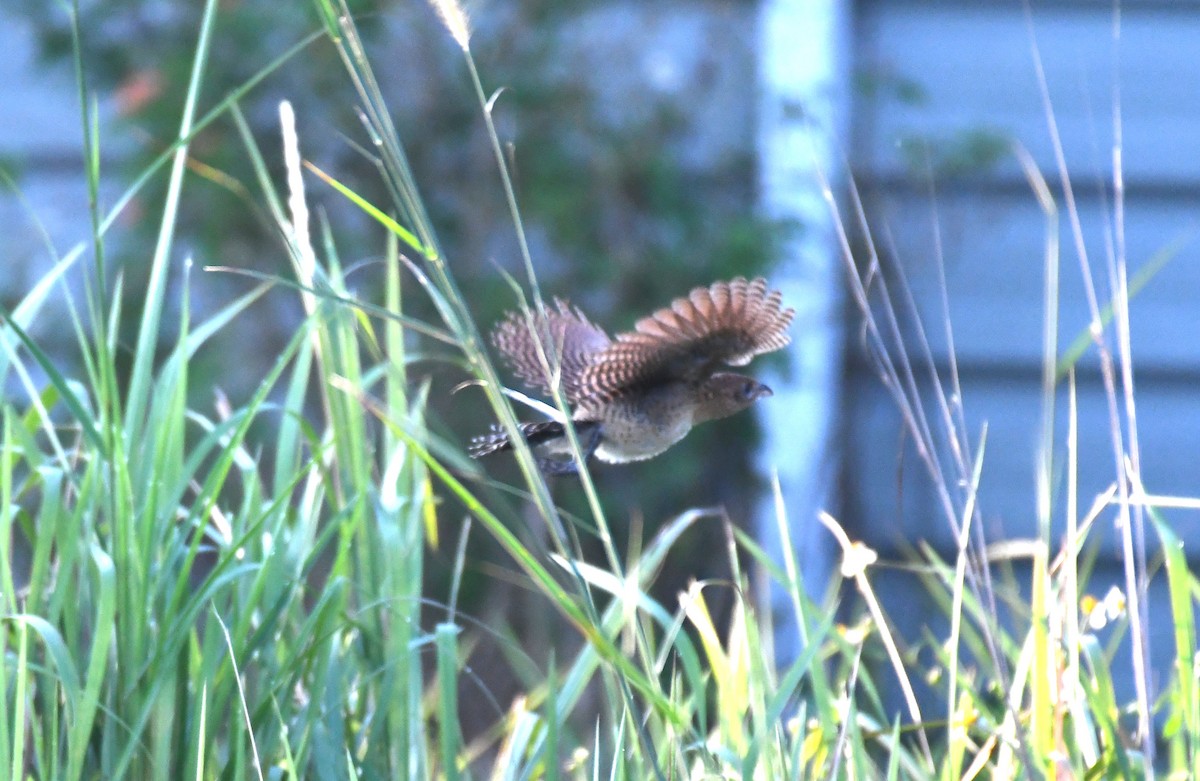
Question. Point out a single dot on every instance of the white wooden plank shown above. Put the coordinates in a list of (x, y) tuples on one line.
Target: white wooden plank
[(805, 53)]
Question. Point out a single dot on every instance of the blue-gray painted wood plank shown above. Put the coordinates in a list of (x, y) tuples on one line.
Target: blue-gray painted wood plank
[(39, 104), (974, 66), (892, 498), (994, 247)]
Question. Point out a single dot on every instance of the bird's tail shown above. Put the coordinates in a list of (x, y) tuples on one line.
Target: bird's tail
[(497, 438)]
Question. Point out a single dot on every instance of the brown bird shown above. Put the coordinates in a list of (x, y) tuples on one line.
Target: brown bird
[(634, 396)]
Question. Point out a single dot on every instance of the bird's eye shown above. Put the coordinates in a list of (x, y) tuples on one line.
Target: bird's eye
[(748, 390)]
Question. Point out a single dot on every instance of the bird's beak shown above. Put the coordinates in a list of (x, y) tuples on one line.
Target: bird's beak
[(764, 391)]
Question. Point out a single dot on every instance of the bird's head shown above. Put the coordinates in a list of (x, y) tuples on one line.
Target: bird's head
[(724, 394)]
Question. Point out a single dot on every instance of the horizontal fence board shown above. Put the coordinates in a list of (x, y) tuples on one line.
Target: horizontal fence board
[(942, 70), (891, 502), (52, 207), (39, 102), (994, 250)]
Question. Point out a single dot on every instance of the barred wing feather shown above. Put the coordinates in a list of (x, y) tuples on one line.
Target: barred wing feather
[(564, 332), (727, 323)]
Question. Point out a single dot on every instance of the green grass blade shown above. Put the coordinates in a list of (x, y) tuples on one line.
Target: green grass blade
[(98, 670), (147, 341)]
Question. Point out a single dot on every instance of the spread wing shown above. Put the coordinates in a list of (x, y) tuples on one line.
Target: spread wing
[(727, 323), (565, 331)]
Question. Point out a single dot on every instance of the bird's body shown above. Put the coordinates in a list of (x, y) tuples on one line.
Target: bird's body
[(635, 427), (637, 395), (642, 426)]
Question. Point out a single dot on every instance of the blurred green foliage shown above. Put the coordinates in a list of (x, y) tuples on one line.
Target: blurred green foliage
[(621, 224)]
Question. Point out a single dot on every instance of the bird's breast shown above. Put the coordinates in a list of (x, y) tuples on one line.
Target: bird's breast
[(643, 426)]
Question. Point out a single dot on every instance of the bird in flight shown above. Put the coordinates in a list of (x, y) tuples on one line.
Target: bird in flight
[(634, 396)]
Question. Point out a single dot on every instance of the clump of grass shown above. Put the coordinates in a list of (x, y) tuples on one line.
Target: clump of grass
[(203, 604)]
